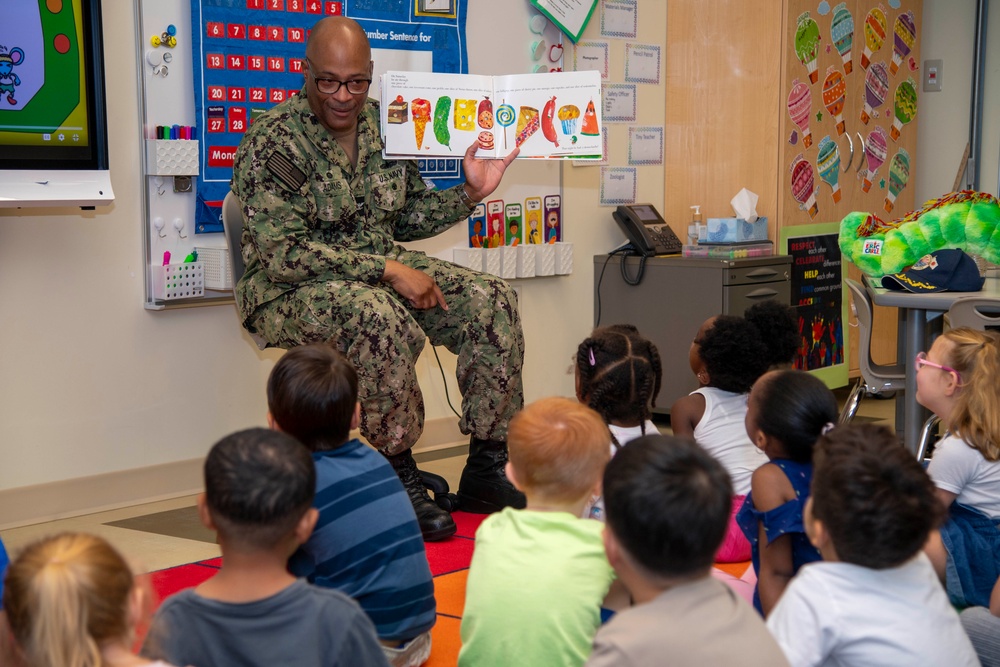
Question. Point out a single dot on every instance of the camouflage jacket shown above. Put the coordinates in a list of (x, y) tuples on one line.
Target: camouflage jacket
[(312, 217)]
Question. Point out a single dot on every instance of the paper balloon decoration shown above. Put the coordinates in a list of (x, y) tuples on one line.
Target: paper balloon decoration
[(899, 174), (804, 185), (834, 94), (874, 34), (807, 44), (842, 34), (876, 150), (876, 88), (904, 106), (800, 109), (904, 33), (828, 163)]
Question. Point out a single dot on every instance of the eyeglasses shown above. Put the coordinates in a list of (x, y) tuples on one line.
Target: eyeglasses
[(922, 360), (329, 86)]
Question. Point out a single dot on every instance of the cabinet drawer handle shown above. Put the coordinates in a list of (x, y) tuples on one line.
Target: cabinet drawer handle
[(762, 273), (762, 293)]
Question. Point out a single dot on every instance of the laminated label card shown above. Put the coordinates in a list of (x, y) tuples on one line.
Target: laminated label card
[(550, 115)]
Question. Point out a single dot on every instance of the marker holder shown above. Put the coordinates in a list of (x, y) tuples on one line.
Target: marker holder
[(563, 258), (218, 270), (179, 281), (172, 157)]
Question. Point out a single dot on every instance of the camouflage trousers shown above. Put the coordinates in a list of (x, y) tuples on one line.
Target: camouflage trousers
[(382, 335)]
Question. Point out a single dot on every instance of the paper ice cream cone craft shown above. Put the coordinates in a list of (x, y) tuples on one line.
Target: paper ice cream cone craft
[(842, 34), (421, 111), (966, 220), (527, 124), (899, 174), (828, 164), (874, 34), (800, 109), (876, 88), (904, 34), (807, 44), (590, 128), (904, 107), (834, 95), (569, 118), (804, 185), (485, 114), (398, 111), (465, 115), (876, 149)]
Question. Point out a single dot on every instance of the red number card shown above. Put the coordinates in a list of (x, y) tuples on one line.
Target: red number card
[(235, 62), (236, 30), (296, 35), (275, 64), (255, 63), (214, 61), (275, 33), (237, 94), (216, 93), (214, 29), (277, 95), (257, 32), (334, 8)]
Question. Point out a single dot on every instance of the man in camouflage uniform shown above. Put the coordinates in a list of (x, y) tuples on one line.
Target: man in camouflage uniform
[(324, 211)]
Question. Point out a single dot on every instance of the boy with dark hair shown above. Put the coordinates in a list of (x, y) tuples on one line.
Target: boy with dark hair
[(368, 543), (667, 503), (875, 599), (258, 490)]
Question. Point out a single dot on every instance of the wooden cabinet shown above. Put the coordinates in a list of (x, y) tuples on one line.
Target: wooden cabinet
[(767, 96)]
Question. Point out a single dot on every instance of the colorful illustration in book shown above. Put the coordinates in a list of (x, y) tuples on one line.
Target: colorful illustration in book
[(876, 150), (477, 223), (494, 223), (569, 119), (874, 34), (876, 88), (800, 109), (533, 215), (527, 124), (421, 110), (485, 114), (441, 110), (842, 34), (486, 140), (513, 214), (804, 185), (899, 174), (553, 215), (904, 34), (807, 44), (465, 115), (828, 164), (549, 121), (398, 112), (505, 118), (590, 127), (834, 96), (904, 106)]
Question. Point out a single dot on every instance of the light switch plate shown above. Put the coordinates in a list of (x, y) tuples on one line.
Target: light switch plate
[(933, 70)]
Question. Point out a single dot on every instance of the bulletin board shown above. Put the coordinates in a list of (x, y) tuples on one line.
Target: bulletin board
[(182, 213)]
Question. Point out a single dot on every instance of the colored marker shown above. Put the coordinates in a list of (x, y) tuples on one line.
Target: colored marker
[(166, 258)]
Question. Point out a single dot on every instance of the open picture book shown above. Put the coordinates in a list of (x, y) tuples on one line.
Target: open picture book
[(550, 115)]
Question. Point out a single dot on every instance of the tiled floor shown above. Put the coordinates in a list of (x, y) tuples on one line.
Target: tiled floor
[(164, 534)]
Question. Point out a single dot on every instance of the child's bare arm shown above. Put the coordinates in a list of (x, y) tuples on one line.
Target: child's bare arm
[(995, 599), (685, 414), (771, 489)]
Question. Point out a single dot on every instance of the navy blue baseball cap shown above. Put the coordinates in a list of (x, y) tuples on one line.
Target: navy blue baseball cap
[(948, 270)]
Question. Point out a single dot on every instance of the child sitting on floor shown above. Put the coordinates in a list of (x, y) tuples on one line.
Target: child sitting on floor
[(874, 600), (259, 488), (957, 380), (618, 375), (727, 356), (71, 600), (368, 543), (667, 510), (788, 411), (538, 575)]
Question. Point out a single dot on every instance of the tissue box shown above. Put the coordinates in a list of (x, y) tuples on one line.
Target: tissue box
[(735, 230)]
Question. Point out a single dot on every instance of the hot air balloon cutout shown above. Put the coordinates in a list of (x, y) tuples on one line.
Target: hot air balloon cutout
[(804, 185), (904, 34), (800, 108), (904, 106), (874, 34), (842, 34), (899, 174), (876, 88), (834, 94), (828, 164), (807, 44), (875, 151)]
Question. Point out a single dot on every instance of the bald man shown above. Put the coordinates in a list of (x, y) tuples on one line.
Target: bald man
[(324, 213)]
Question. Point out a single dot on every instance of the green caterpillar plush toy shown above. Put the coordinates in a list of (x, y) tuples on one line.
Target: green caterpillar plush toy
[(966, 220)]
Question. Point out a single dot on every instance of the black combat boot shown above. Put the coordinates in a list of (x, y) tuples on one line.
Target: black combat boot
[(435, 523), (484, 487)]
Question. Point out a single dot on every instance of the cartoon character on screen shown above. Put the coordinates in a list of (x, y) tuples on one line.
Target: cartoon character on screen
[(8, 79), (534, 235), (552, 226)]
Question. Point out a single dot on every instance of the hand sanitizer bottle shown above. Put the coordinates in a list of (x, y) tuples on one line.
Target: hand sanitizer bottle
[(694, 228)]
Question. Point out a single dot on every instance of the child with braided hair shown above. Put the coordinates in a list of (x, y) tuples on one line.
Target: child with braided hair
[(618, 375)]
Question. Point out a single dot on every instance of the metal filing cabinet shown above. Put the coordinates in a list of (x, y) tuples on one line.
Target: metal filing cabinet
[(676, 295)]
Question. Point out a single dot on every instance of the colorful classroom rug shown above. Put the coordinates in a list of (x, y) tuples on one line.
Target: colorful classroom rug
[(449, 561)]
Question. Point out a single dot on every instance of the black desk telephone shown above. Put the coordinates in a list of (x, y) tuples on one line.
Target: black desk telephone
[(647, 230)]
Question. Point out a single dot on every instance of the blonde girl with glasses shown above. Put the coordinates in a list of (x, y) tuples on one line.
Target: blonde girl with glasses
[(958, 379)]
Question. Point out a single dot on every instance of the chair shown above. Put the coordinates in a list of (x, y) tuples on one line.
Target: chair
[(875, 378), (976, 312), (232, 223)]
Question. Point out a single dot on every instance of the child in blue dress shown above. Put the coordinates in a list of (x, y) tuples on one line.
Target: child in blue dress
[(788, 410)]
